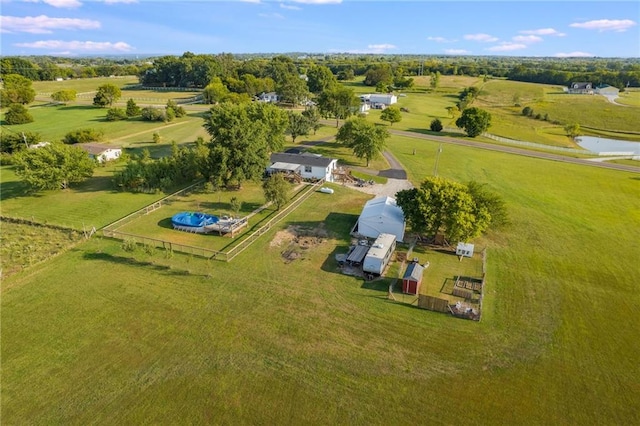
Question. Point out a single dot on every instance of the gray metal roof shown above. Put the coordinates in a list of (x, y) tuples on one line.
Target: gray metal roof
[(414, 272), (358, 254), (302, 159)]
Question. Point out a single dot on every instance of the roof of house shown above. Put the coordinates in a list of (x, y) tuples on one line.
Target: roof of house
[(414, 272), (581, 85), (304, 159), (97, 148), (465, 246)]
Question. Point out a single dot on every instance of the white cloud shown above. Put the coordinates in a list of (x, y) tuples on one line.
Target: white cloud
[(372, 48), (43, 24), (289, 6), (271, 15), (574, 55), (78, 46), (527, 39), (543, 31), (507, 47), (383, 46), (484, 38), (605, 25), (440, 39), (250, 1), (120, 1), (66, 4), (456, 51)]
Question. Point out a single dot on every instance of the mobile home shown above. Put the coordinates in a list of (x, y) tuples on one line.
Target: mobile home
[(379, 254)]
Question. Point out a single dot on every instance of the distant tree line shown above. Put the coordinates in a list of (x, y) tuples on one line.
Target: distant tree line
[(198, 70)]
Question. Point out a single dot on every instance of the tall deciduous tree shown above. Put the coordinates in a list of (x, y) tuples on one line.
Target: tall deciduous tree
[(320, 78), (55, 166), (276, 190), (366, 139), (474, 121), (440, 206), (391, 114), (16, 90), (292, 89), (339, 102), (242, 138), (106, 95), (298, 125), (312, 114)]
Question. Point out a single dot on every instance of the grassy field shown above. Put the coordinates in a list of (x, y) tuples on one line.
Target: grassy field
[(260, 340), (104, 336)]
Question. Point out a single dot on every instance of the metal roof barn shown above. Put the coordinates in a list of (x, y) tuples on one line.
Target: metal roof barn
[(381, 216)]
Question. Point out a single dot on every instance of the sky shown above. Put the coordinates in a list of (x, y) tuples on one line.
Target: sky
[(171, 27)]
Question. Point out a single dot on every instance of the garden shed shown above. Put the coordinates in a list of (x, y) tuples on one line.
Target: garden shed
[(381, 216), (412, 278)]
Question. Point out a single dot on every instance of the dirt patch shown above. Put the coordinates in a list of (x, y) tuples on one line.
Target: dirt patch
[(298, 240)]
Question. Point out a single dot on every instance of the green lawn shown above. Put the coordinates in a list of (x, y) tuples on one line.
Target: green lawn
[(259, 340)]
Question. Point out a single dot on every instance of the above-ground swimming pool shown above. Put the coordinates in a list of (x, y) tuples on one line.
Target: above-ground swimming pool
[(193, 219)]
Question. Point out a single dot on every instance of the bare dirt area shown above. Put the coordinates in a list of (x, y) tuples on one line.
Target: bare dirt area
[(297, 240)]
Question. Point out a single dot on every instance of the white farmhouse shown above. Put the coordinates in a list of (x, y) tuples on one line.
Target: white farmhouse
[(102, 152), (307, 166)]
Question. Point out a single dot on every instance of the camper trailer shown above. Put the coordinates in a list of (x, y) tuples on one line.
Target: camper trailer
[(379, 254)]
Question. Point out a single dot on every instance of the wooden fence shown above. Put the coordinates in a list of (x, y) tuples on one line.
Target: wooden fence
[(111, 230), (433, 303)]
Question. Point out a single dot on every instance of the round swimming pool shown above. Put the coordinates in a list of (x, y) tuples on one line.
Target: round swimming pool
[(193, 219)]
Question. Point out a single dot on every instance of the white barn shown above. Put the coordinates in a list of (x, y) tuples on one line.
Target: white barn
[(101, 152), (379, 98), (381, 215), (308, 166)]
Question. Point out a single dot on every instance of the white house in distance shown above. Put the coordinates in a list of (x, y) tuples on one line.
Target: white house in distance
[(271, 97), (306, 165), (379, 98), (101, 152), (381, 215)]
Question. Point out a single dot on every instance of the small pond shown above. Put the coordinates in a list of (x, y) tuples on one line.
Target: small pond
[(604, 146)]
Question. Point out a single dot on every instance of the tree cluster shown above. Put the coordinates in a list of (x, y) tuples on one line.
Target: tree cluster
[(55, 166), (365, 139), (474, 121), (144, 174), (444, 207)]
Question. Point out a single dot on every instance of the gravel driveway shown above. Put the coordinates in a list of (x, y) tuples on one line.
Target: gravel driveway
[(388, 189)]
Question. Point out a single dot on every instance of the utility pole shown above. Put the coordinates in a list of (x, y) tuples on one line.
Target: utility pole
[(24, 138), (435, 167)]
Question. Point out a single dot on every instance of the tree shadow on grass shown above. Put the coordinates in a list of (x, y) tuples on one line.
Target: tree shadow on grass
[(95, 184), (431, 133), (15, 189), (130, 261)]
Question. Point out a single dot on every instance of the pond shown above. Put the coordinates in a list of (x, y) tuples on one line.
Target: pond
[(604, 146)]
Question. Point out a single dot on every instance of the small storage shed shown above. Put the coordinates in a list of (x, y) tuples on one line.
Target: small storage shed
[(464, 249), (412, 278)]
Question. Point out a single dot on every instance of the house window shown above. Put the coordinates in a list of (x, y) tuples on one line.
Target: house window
[(307, 169)]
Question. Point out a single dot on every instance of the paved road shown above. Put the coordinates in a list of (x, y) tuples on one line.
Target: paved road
[(396, 168)]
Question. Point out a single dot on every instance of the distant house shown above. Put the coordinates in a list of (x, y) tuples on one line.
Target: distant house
[(412, 278), (380, 215), (364, 108), (270, 97), (101, 152), (385, 99), (581, 88), (306, 165)]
